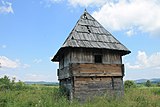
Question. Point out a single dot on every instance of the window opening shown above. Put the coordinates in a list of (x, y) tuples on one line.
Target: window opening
[(98, 58)]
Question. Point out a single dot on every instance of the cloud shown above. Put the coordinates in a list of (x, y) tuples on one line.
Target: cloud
[(123, 15), (25, 66), (35, 77), (143, 15), (48, 3), (3, 46), (86, 3), (143, 61), (6, 7), (8, 63), (54, 1), (11, 64), (130, 32), (37, 60), (75, 3)]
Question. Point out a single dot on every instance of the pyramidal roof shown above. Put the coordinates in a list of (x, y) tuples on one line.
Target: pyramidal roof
[(89, 33)]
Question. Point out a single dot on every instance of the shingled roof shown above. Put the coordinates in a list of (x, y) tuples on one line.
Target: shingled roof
[(89, 33)]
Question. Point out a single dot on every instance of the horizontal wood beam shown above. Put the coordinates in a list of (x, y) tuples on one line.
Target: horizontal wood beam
[(97, 69), (89, 70)]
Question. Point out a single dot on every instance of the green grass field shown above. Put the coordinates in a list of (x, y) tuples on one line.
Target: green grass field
[(49, 96)]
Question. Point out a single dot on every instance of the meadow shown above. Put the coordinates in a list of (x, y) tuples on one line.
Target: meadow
[(22, 95)]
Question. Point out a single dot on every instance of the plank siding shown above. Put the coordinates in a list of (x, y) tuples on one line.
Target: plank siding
[(87, 56), (91, 70), (96, 69), (88, 87), (64, 73), (90, 61), (82, 78)]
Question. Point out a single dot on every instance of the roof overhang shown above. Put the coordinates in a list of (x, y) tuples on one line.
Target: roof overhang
[(62, 51)]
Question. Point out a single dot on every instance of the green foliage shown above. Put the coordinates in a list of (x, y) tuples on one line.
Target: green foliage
[(158, 84), (148, 83), (50, 96), (7, 84), (129, 84)]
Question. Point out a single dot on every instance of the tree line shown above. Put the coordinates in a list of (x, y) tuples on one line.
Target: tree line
[(132, 84)]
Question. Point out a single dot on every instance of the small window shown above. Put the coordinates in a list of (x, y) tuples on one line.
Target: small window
[(98, 58)]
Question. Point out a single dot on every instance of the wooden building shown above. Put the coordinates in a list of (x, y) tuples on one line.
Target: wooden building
[(90, 61)]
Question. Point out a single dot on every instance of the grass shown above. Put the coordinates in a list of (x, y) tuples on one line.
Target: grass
[(49, 96)]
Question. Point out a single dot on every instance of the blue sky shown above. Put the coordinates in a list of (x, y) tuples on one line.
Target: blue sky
[(31, 32)]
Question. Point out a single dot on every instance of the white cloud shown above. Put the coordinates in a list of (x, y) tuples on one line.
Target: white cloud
[(35, 77), (75, 3), (48, 3), (53, 1), (130, 32), (125, 14), (6, 7), (144, 61), (37, 60), (4, 46), (8, 63), (26, 66), (121, 15), (87, 3)]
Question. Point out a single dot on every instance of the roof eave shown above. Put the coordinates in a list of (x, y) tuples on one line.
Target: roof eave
[(60, 52)]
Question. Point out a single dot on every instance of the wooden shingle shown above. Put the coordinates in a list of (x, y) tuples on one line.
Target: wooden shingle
[(89, 33)]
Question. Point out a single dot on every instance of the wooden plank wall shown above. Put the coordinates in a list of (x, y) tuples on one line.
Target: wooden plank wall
[(65, 61), (96, 69), (87, 56), (81, 56), (91, 70), (90, 87), (82, 77), (64, 73), (66, 85)]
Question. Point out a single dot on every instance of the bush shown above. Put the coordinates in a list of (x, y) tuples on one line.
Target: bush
[(148, 83), (158, 84), (129, 84), (7, 84)]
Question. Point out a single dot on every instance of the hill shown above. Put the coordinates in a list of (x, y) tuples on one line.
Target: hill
[(153, 80), (41, 82)]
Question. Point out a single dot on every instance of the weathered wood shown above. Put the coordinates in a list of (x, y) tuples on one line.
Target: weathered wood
[(91, 70), (96, 86), (87, 56), (64, 73), (96, 69), (90, 61)]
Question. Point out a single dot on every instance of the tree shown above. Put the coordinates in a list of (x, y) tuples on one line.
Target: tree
[(158, 84), (20, 85), (129, 84), (5, 83), (148, 83)]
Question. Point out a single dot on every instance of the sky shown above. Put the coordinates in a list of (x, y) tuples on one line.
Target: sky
[(32, 31)]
